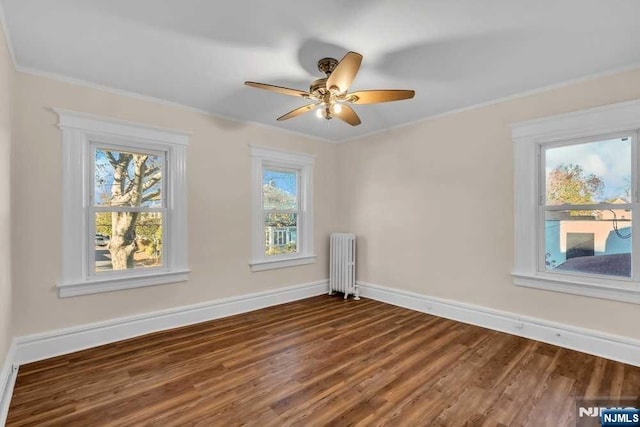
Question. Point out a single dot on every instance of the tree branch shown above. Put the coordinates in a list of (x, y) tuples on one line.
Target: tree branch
[(123, 200), (151, 196), (151, 182), (129, 186), (111, 158), (120, 174), (151, 171)]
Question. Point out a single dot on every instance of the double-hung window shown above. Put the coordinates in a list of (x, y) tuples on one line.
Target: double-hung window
[(586, 210), (576, 203), (124, 205), (282, 209)]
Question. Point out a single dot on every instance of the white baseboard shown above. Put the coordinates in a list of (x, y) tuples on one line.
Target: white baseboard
[(7, 380), (41, 346), (609, 346)]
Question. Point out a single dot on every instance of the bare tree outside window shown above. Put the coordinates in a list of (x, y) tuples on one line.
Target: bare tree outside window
[(128, 201)]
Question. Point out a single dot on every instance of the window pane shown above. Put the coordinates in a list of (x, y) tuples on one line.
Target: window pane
[(127, 179), (589, 173), (280, 233), (126, 240), (592, 242), (279, 190)]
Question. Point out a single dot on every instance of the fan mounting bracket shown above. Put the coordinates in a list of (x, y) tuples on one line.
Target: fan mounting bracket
[(327, 65)]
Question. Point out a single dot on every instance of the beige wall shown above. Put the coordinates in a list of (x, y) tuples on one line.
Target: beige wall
[(397, 190), (432, 205), (6, 76), (219, 207)]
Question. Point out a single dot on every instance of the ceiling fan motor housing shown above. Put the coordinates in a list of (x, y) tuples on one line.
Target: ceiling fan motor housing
[(318, 87)]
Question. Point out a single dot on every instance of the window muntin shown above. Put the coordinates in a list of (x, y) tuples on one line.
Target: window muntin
[(128, 209), (281, 210), (586, 207)]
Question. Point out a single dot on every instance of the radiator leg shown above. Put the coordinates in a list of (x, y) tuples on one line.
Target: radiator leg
[(356, 295), (330, 291)]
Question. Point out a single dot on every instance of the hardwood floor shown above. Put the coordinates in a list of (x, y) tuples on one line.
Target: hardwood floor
[(320, 361)]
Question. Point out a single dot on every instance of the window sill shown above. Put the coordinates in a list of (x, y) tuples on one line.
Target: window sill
[(108, 284), (272, 264), (625, 291)]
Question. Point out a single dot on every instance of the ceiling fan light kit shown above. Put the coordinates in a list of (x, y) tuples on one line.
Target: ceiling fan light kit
[(330, 93)]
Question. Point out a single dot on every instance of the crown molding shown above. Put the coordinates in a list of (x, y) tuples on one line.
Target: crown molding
[(160, 101), (513, 97), (147, 98)]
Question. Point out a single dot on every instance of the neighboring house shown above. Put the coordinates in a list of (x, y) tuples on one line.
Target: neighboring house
[(591, 234)]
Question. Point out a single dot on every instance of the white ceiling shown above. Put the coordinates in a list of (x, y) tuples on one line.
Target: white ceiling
[(199, 52)]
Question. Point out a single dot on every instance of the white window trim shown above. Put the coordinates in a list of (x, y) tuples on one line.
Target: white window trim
[(261, 157), (79, 131), (528, 137)]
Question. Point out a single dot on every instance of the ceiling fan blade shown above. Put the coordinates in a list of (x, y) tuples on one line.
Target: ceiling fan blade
[(279, 89), (297, 112), (348, 115), (375, 96), (344, 73)]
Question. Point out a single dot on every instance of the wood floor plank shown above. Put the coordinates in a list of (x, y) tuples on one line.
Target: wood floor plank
[(319, 361)]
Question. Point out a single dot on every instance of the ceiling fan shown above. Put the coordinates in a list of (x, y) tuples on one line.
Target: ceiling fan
[(330, 92)]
